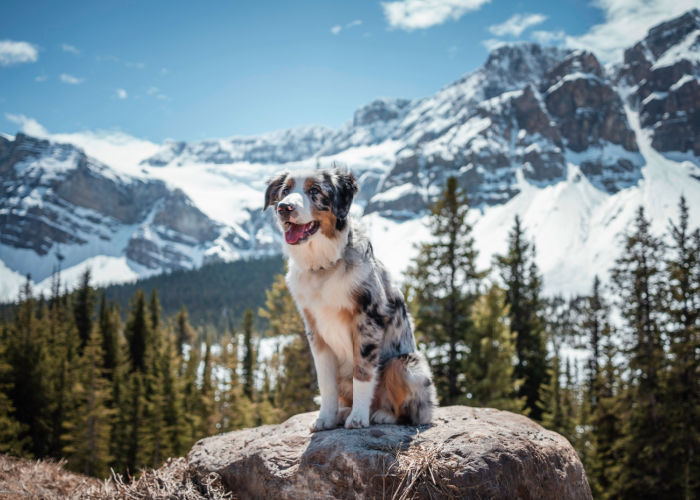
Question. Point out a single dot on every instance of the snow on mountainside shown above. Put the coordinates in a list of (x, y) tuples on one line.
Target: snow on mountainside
[(547, 133)]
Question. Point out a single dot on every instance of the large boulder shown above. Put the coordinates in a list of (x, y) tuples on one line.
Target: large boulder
[(465, 453)]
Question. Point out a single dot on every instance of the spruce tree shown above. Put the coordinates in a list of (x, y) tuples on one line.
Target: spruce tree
[(138, 332), (523, 296), (445, 283), (237, 411), (173, 398), (184, 333), (488, 366), (248, 373), (84, 308), (207, 415), (11, 431), (87, 428), (639, 284), (110, 326), (682, 396)]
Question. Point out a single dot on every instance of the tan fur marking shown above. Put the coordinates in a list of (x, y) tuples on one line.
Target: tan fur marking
[(316, 339), (394, 383), (345, 391)]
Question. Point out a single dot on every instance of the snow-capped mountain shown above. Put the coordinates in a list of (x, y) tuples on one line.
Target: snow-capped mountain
[(551, 134)]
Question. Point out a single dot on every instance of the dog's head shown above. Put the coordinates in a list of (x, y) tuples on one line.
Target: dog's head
[(312, 204)]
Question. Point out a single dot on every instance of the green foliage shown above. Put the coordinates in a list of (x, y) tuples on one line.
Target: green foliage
[(523, 296), (215, 294), (488, 368), (444, 283), (248, 355)]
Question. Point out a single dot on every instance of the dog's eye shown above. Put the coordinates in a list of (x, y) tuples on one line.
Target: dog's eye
[(285, 191), (313, 191)]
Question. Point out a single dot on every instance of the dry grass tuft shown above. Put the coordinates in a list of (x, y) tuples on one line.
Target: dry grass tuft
[(421, 473), (47, 480), (41, 479)]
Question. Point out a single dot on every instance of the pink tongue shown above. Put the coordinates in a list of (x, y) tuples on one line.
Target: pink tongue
[(294, 233)]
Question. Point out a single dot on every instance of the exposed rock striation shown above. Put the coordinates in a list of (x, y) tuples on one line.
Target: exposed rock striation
[(466, 453)]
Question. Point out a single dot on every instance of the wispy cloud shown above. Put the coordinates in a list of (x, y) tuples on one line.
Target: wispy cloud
[(155, 92), (516, 24), (338, 27), (70, 48), (420, 14), (121, 94), (70, 79), (548, 37), (12, 52), (626, 21), (492, 43), (28, 125), (41, 78)]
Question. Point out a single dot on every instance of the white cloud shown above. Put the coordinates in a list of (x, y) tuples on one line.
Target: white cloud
[(121, 94), (626, 22), (547, 37), (338, 28), (12, 52), (420, 14), (28, 125), (492, 43), (70, 48), (41, 78), (516, 24), (70, 79)]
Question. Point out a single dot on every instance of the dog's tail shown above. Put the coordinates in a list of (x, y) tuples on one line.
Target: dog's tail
[(416, 398)]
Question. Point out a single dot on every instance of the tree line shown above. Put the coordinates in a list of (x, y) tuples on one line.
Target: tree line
[(616, 371), (77, 383)]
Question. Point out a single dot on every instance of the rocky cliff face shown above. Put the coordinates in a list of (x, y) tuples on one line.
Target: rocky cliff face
[(53, 195), (465, 453), (531, 120)]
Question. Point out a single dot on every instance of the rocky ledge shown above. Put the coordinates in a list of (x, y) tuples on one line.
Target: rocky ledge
[(465, 453)]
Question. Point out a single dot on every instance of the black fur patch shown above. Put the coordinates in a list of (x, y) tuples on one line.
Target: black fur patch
[(345, 187), (369, 349), (273, 187)]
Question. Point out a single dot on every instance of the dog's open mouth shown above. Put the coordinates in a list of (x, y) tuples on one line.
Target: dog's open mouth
[(296, 233)]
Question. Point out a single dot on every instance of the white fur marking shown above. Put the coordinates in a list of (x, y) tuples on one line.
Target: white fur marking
[(362, 394), (326, 368)]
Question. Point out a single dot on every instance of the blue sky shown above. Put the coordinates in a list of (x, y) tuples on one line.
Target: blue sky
[(193, 70)]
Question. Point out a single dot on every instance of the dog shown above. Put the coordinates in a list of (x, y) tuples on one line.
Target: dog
[(357, 324)]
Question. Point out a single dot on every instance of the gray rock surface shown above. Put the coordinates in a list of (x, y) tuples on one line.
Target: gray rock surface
[(466, 453)]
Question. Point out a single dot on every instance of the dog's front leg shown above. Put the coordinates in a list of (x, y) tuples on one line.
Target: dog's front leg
[(366, 337), (327, 376)]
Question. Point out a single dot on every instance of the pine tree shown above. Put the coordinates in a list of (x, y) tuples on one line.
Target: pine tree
[(87, 429), (248, 372), (523, 290), (208, 417), (445, 283), (11, 431), (682, 396), (84, 308), (137, 445), (639, 285), (489, 365), (173, 399), (110, 326), (138, 332), (296, 385), (184, 333), (237, 411), (191, 394)]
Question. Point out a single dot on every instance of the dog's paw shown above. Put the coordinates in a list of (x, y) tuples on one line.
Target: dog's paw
[(383, 417), (357, 420), (324, 422)]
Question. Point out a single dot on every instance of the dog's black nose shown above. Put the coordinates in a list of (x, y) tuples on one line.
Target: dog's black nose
[(285, 207)]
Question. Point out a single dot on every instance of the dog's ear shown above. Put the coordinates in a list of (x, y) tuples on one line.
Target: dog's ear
[(273, 187), (346, 188)]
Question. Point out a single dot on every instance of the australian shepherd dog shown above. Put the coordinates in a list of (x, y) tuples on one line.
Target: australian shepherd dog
[(359, 330)]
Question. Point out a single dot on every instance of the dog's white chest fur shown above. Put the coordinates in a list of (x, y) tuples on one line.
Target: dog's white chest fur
[(325, 294)]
